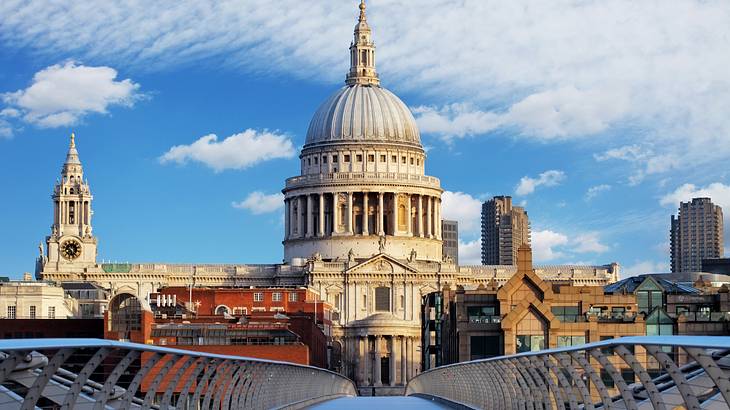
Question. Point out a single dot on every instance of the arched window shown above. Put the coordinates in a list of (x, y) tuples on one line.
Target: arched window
[(222, 310), (364, 58)]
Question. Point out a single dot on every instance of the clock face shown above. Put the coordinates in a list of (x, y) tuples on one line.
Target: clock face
[(71, 249)]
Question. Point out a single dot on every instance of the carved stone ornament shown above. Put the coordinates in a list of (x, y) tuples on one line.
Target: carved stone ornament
[(342, 198), (383, 266)]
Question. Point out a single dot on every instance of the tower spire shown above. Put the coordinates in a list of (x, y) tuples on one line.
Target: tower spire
[(362, 54), (73, 156)]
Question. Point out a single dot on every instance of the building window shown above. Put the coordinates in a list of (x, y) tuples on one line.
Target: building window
[(293, 297), (382, 158), (240, 311), (364, 301), (382, 299), (627, 375), (607, 379), (334, 159), (51, 312), (309, 161), (324, 159), (530, 343), (412, 160), (483, 347), (418, 161), (316, 160), (566, 341), (483, 314), (371, 158), (394, 159), (31, 311), (347, 158), (222, 310), (276, 297), (358, 157), (568, 314), (258, 297), (403, 160), (276, 309), (11, 312)]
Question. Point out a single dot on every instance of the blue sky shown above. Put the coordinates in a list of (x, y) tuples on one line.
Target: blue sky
[(598, 116)]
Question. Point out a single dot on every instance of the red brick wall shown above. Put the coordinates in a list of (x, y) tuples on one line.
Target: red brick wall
[(288, 353)]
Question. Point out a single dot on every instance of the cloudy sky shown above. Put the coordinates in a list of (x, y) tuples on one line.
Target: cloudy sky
[(598, 116)]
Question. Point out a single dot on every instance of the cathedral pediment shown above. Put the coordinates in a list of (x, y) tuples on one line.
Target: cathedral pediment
[(381, 263)]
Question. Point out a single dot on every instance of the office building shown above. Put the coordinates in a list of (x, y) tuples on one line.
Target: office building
[(450, 237), (695, 234), (504, 229)]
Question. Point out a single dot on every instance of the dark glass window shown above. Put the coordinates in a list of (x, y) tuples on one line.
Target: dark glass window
[(483, 347), (382, 299)]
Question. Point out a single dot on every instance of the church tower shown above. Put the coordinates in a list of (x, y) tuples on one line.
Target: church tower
[(71, 245)]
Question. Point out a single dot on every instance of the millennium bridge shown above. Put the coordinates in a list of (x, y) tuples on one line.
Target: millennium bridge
[(674, 372)]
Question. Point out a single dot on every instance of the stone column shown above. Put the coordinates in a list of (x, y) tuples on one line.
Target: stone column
[(286, 219), (334, 213), (438, 218), (320, 232), (419, 221), (409, 358), (403, 361), (349, 213), (395, 213), (376, 363), (381, 228), (300, 217), (391, 361), (365, 216), (310, 216), (409, 222), (367, 364), (429, 217), (292, 218), (360, 361)]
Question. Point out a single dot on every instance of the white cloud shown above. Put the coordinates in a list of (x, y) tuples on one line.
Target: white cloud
[(549, 178), (259, 203), (594, 191), (548, 68), (470, 253), (239, 151), (455, 120), (625, 153), (544, 244), (62, 94), (548, 245), (589, 243), (463, 208), (719, 192), (643, 267), (6, 130)]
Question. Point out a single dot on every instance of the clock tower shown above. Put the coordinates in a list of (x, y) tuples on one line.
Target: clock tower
[(71, 247)]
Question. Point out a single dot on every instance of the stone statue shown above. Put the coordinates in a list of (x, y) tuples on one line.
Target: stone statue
[(88, 231), (316, 256), (40, 249), (351, 256), (447, 258), (54, 231), (381, 244), (413, 256)]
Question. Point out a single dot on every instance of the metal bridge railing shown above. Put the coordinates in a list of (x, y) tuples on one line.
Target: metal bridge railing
[(689, 372), (104, 374)]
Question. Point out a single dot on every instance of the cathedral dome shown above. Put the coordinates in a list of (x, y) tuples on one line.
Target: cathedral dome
[(363, 112)]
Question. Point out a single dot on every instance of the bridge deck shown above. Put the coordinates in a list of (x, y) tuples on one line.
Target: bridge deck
[(371, 403)]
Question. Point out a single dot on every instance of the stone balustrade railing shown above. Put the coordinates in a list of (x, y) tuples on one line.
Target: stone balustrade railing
[(355, 177)]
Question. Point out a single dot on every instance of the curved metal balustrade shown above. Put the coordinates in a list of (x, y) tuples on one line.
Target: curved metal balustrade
[(103, 374), (687, 372)]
